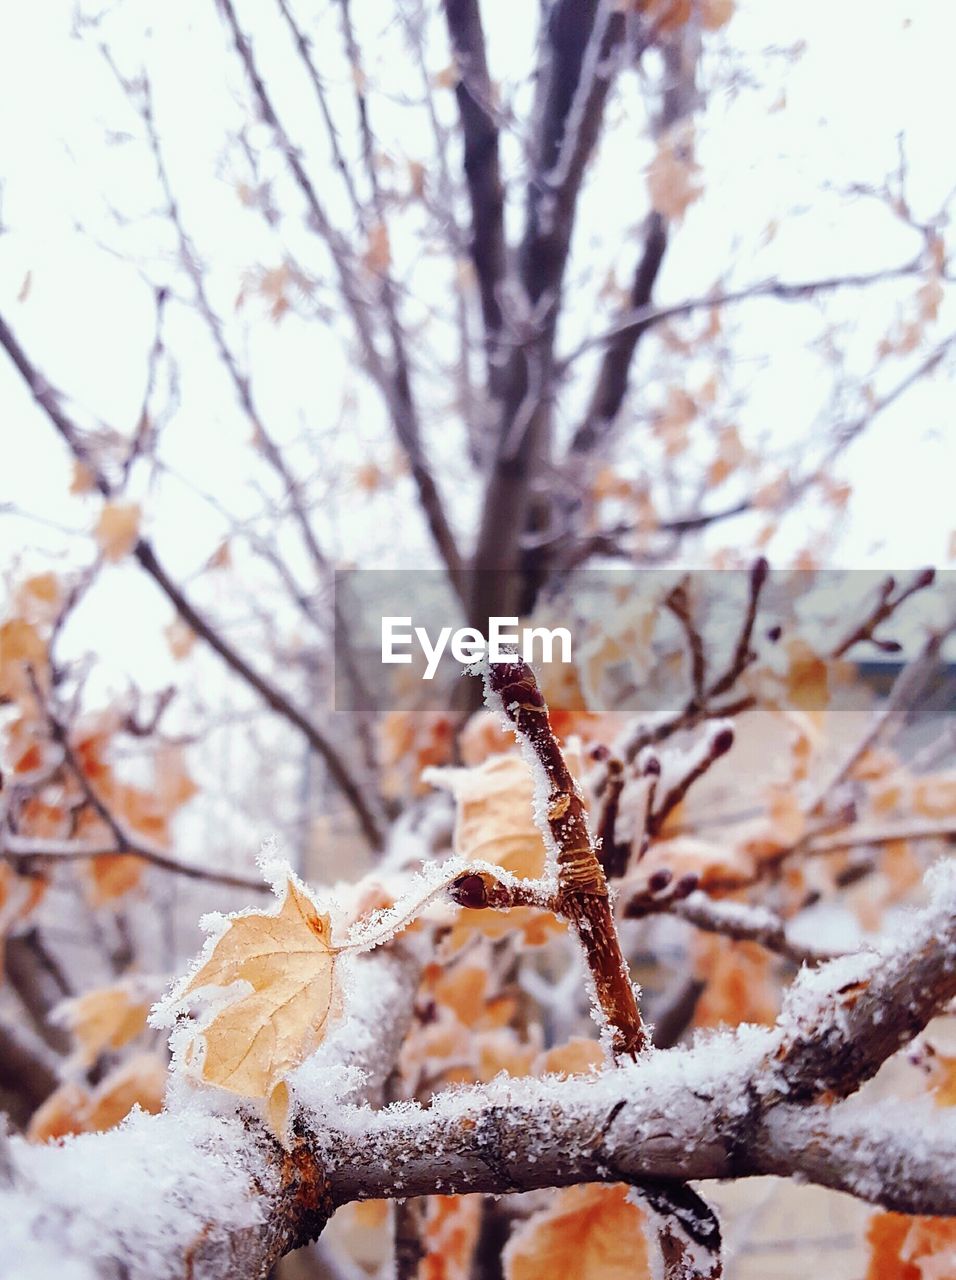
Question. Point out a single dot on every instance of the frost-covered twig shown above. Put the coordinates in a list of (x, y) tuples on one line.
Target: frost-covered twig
[(886, 605), (745, 922), (560, 813), (701, 705), (906, 689), (841, 1022)]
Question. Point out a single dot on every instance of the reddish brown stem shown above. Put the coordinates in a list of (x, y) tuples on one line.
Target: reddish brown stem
[(582, 887)]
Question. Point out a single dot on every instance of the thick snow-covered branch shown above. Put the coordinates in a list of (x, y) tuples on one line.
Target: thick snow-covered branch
[(841, 1022), (191, 1190), (210, 1194)]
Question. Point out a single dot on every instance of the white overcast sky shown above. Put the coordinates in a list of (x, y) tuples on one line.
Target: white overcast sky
[(869, 74)]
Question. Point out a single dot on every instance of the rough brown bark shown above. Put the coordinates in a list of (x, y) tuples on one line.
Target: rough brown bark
[(582, 889)]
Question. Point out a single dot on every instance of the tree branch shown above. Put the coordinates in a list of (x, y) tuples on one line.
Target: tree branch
[(580, 48), (582, 888), (143, 552), (744, 923), (395, 386), (647, 316), (479, 128), (737, 1104)]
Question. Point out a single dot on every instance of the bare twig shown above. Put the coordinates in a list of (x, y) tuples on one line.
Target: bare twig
[(782, 291), (745, 923), (482, 171), (700, 706), (889, 601), (395, 387), (49, 400), (582, 888)]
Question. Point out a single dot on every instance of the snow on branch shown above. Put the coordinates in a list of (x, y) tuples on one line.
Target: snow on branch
[(841, 1022), (204, 1190)]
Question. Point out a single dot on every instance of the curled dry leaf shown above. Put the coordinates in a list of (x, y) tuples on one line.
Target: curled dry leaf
[(664, 16), (578, 1056), (39, 598), (180, 637), (740, 982), (715, 14), (117, 529), (74, 1109), (62, 1113), (21, 645), (716, 866), (113, 876), (911, 1248), (495, 823), (807, 678), (483, 736), (286, 962), (450, 1235), (105, 1018), (596, 1226), (672, 176), (378, 255), (495, 820), (140, 1082)]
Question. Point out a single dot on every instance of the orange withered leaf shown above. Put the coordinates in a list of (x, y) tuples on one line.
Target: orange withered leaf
[(596, 1226), (104, 1018), (72, 1108), (180, 637), (910, 1248), (113, 876), (117, 529), (672, 181), (83, 480), (287, 959), (140, 1082), (21, 645)]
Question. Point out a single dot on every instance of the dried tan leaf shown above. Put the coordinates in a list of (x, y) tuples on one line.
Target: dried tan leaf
[(910, 1248), (716, 864), (83, 480), (666, 15), (174, 786), (495, 823), (715, 14), (113, 876), (808, 684), (740, 984), (139, 1082), (450, 1235), (117, 529), (63, 1112), (104, 1018), (74, 1109), (38, 598), (288, 960), (21, 645), (221, 558), (595, 1226), (578, 1056), (934, 796), (378, 255), (180, 637), (495, 820), (672, 181)]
